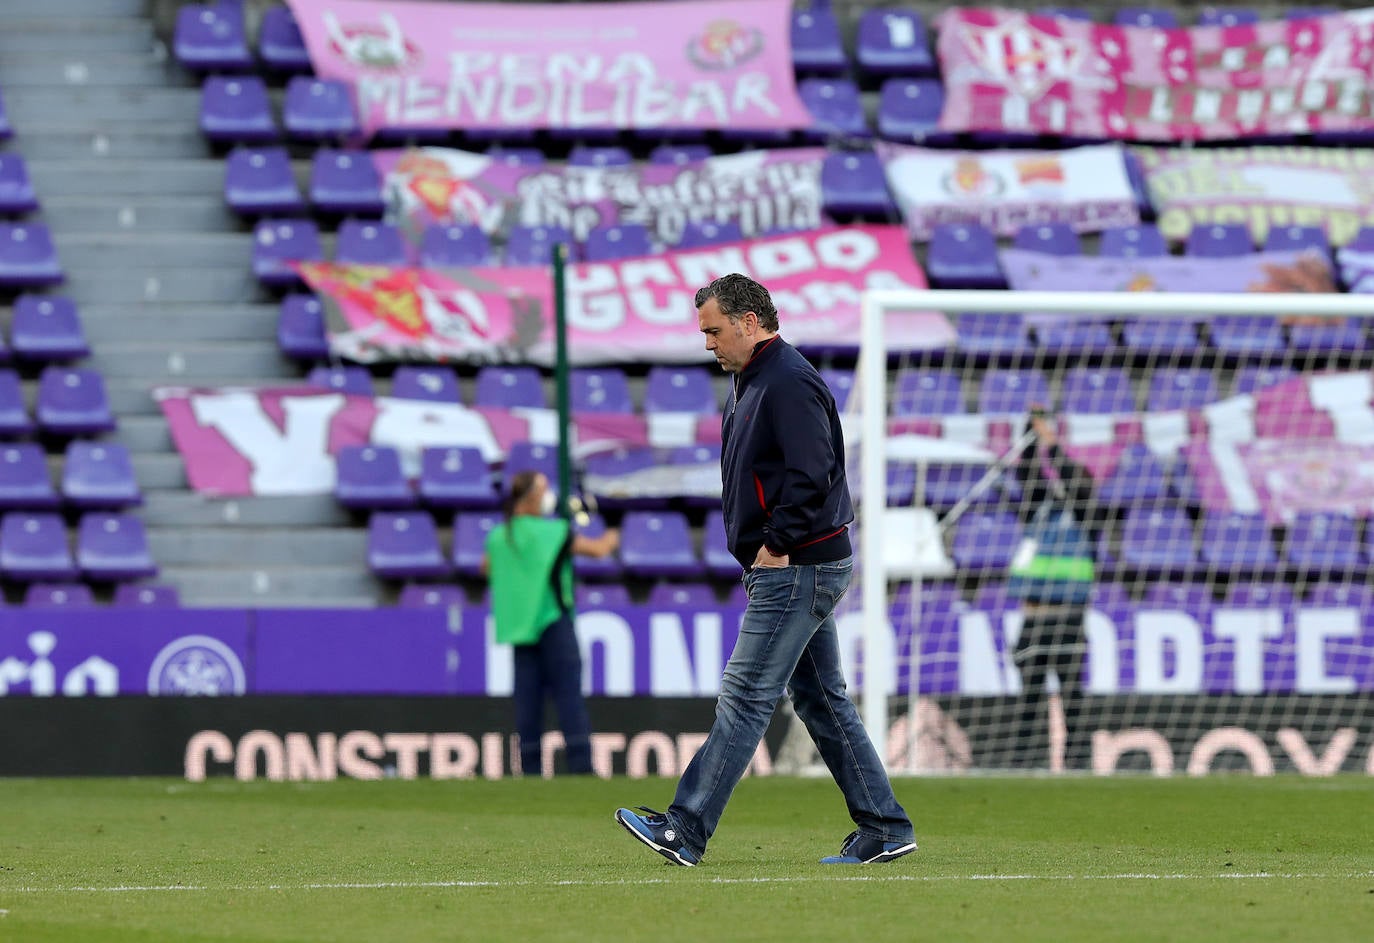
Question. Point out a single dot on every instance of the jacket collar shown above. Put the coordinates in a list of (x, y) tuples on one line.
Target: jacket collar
[(763, 351)]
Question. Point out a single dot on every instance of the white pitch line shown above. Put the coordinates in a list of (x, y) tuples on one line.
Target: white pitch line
[(460, 885)]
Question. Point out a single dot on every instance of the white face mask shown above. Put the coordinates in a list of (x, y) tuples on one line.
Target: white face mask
[(548, 503)]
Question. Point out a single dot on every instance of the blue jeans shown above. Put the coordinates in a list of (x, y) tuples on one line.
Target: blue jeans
[(788, 641), (552, 665)]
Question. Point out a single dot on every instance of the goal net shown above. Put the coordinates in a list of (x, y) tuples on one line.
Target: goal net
[(1116, 531)]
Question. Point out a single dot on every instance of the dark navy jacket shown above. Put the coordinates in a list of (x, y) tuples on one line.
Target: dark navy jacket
[(782, 461)]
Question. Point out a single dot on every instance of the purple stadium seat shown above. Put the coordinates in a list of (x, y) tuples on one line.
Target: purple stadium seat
[(698, 233), (1323, 541), (1157, 538), (992, 335), (1241, 335), (596, 568), (946, 485), (236, 109), (280, 44), (928, 393), (259, 180), (1340, 335), (584, 155), (58, 596), (682, 596), (517, 156), (507, 387), (533, 245), (719, 562), (404, 545), (617, 241), (72, 402), (1219, 240), (816, 44), (352, 381), (1147, 335), (679, 154), (433, 384), (99, 475), (1235, 541), (421, 596), (899, 484), (1180, 389), (1226, 16), (909, 111), (964, 255), (986, 540), (679, 390), (1192, 598), (599, 390), (1285, 238), (692, 459), (1254, 377), (1013, 391), (456, 477), (34, 547), (14, 414), (604, 596), (146, 596), (28, 258), (1308, 13), (1076, 336), (345, 182), (657, 544), (1143, 241), (16, 190), (1098, 390), (370, 478), (1139, 478), (530, 456), (853, 184), (835, 109), (47, 327), (24, 480), (470, 540), (623, 461), (113, 547), (368, 242), (455, 246), (211, 37), (893, 42), (841, 383), (278, 242), (318, 109), (300, 328), (1066, 13), (1145, 16), (1054, 238)]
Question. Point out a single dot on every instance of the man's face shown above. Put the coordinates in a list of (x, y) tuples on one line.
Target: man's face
[(732, 342)]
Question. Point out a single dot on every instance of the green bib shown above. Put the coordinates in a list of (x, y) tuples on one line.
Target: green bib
[(521, 554)]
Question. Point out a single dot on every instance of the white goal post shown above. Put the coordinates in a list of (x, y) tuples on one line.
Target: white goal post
[(871, 390)]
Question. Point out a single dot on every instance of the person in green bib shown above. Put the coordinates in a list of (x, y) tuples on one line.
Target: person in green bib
[(1052, 576), (531, 600)]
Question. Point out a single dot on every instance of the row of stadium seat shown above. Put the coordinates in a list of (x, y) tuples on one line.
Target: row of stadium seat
[(69, 402), (658, 545), (81, 596), (110, 547), (94, 475)]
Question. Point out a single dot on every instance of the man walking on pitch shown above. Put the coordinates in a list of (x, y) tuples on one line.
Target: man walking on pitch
[(787, 512)]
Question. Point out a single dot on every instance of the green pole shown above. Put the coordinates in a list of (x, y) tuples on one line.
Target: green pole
[(560, 380)]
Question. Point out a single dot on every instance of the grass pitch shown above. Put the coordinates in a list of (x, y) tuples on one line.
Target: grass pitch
[(1066, 860)]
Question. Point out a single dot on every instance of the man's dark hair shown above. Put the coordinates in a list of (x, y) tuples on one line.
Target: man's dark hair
[(737, 295)]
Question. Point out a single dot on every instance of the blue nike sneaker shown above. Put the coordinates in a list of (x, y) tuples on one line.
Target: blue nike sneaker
[(659, 834), (865, 849)]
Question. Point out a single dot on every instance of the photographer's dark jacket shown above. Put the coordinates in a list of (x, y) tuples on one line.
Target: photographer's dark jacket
[(1059, 569), (782, 461)]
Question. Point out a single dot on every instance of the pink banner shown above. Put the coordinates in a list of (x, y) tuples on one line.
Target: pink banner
[(1011, 71), (700, 64), (633, 310)]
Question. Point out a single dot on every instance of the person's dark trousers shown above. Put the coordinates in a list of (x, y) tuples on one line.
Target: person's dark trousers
[(1051, 640), (552, 665)]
